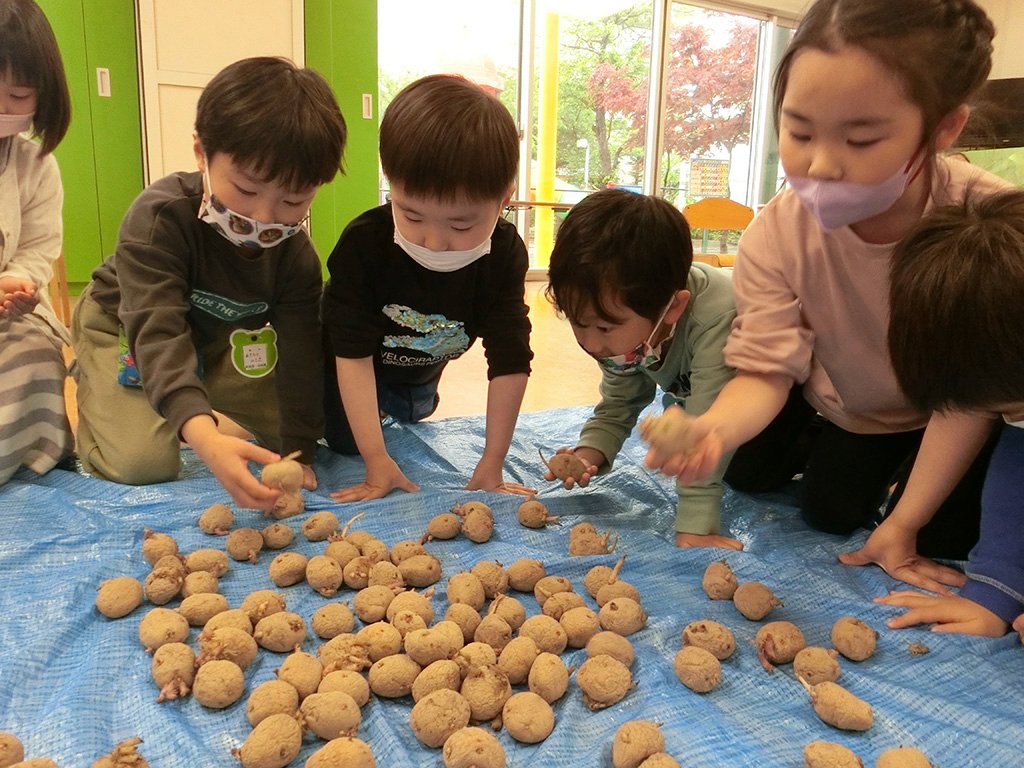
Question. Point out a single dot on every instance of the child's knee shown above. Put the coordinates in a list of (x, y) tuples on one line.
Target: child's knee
[(136, 468)]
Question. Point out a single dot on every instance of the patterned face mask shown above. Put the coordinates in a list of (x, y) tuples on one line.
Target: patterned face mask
[(643, 355), (238, 229)]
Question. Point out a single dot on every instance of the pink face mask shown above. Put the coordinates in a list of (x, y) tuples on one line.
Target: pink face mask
[(838, 204)]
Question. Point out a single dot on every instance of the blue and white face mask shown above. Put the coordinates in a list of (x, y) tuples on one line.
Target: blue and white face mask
[(238, 229)]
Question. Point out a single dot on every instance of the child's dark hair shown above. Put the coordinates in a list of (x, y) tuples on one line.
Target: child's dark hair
[(940, 49), (29, 54), (442, 137), (635, 249), (956, 327), (280, 121)]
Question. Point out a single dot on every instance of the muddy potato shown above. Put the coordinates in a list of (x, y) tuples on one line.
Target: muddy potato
[(903, 757), (350, 753), (11, 749), (565, 465), (466, 587), (345, 651), (826, 754), (371, 603), (517, 658), (124, 755), (546, 633), (616, 588), (288, 505), (853, 638), (533, 514), (527, 717), (486, 688), (381, 639), (199, 609), (273, 697), (560, 602), (475, 655), (816, 665), (697, 669), (235, 617), (597, 577), (719, 582), (473, 748), (580, 625), (406, 621), (549, 677), (778, 642), (277, 536), (420, 570), (494, 631), (442, 641), (161, 626), (273, 743), (524, 574), (347, 681), (218, 684), (227, 643), (438, 715), (288, 568), (156, 545), (660, 760), (754, 600), (711, 636), (173, 669), (280, 632), (324, 575), (547, 586), (510, 609), (163, 584), (478, 526), (320, 525), (635, 741), (611, 644), (466, 617), (839, 708), (356, 572), (262, 603), (444, 526), (392, 677), (374, 550), (213, 560), (341, 550), (622, 615), (585, 539), (244, 544), (331, 714), (443, 673), (284, 475), (119, 596), (604, 681), (411, 600), (301, 671), (198, 583), (492, 576), (384, 573)]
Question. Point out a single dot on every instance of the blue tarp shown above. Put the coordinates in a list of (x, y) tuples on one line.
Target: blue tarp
[(73, 683)]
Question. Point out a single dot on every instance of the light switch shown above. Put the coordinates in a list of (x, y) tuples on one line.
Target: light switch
[(367, 106), (103, 81)]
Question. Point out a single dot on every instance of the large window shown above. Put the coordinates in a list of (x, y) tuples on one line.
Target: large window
[(582, 77)]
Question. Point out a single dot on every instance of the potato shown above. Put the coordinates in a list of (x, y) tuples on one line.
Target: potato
[(324, 575), (668, 433), (527, 717), (478, 526), (199, 609), (565, 465), (277, 536), (280, 632), (173, 669), (344, 651), (288, 505), (533, 514), (580, 624), (227, 643), (560, 602), (697, 669), (163, 584), (288, 568), (492, 576), (442, 641), (584, 539), (385, 573), (524, 574), (549, 677), (494, 631), (517, 658), (816, 665), (597, 577), (420, 570), (273, 743), (119, 596), (216, 519), (438, 715), (616, 588), (199, 583), (161, 626), (510, 609), (262, 603), (604, 681), (356, 572), (302, 672), (341, 550), (546, 633), (903, 757), (711, 636), (392, 677), (486, 688), (285, 475), (11, 749), (719, 582), (374, 550), (244, 544), (853, 638), (443, 673), (473, 748), (838, 707), (635, 741), (466, 587), (273, 697), (124, 755), (320, 525), (350, 753), (410, 600), (825, 754), (156, 545), (754, 600), (547, 586), (406, 621), (611, 644), (778, 642), (474, 655), (371, 603), (235, 617), (660, 760), (381, 639), (347, 681), (466, 617), (213, 560), (218, 684), (331, 714), (444, 526), (622, 615)]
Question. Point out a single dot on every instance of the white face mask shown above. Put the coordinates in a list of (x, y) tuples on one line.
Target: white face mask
[(838, 204), (11, 125), (441, 261)]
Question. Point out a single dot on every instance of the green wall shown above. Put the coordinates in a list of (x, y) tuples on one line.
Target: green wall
[(341, 44)]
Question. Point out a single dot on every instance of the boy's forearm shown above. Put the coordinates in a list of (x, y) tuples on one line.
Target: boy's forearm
[(358, 387), (504, 398)]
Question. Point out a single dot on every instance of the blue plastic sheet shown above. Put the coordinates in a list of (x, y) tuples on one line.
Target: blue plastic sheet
[(73, 683)]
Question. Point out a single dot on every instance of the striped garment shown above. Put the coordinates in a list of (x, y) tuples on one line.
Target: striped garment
[(34, 428)]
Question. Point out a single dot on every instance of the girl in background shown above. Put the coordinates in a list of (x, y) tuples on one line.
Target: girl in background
[(34, 429)]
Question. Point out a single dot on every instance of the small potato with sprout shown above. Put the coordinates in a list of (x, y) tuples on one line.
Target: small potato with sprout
[(161, 626), (669, 433), (280, 632), (438, 715), (816, 665), (347, 752), (524, 574), (549, 677), (124, 755), (534, 514), (473, 747), (719, 582), (11, 749), (381, 639), (697, 669), (754, 600), (565, 465), (288, 568), (420, 570), (213, 560), (285, 476), (853, 638), (216, 519), (320, 525), (486, 688), (444, 526), (218, 684), (273, 743), (277, 536), (604, 681), (119, 596), (635, 741), (778, 642), (173, 669), (826, 754), (272, 697), (301, 671), (330, 715), (838, 707), (392, 676), (711, 636), (527, 717), (324, 575), (622, 615), (611, 644), (156, 545), (585, 539), (199, 609), (348, 681), (262, 603)]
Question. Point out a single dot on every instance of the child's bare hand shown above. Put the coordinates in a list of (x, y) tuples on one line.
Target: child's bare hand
[(1018, 625), (590, 457), (18, 303), (308, 478), (707, 540), (681, 446), (382, 477), (228, 459), (946, 614), (894, 549)]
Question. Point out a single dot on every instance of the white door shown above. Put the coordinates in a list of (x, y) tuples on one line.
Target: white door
[(183, 44)]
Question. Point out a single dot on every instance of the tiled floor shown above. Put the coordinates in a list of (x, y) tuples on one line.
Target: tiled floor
[(562, 374)]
